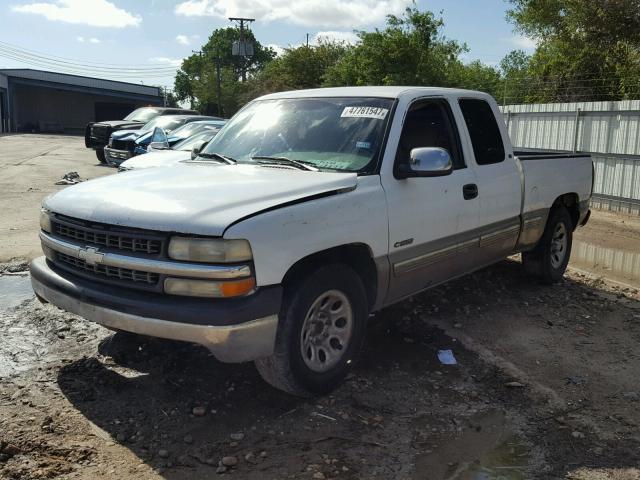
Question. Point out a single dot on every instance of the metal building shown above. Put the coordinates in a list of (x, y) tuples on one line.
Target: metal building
[(40, 101), (609, 131)]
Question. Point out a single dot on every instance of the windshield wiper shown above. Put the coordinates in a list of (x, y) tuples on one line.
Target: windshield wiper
[(296, 163), (218, 156)]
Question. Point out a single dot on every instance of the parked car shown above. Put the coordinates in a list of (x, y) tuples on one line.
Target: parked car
[(128, 143), (186, 149), (183, 132), (308, 211), (96, 134)]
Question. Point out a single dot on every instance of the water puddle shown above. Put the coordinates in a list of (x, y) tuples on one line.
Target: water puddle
[(486, 449), (619, 265), (21, 344), (14, 289)]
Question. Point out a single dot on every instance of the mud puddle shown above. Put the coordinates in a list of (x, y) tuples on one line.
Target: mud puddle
[(14, 289), (485, 449), (614, 264), (23, 345)]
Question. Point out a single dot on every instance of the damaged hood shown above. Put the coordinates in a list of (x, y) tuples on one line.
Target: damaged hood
[(119, 124), (201, 198)]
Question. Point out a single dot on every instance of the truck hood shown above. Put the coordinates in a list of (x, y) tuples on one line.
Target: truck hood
[(119, 124), (156, 159), (201, 198), (127, 134)]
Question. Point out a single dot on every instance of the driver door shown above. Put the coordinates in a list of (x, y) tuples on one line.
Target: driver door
[(431, 219)]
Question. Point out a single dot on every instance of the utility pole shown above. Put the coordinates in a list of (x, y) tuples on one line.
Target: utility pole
[(217, 62), (307, 40), (242, 51)]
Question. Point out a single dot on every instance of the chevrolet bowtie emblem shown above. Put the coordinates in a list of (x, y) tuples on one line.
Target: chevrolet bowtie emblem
[(90, 255)]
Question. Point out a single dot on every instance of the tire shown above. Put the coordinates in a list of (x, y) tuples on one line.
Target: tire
[(100, 156), (548, 261), (315, 361)]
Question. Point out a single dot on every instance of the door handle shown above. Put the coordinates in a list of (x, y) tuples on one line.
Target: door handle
[(470, 191)]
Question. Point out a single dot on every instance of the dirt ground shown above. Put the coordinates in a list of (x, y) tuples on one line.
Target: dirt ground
[(31, 164), (545, 385)]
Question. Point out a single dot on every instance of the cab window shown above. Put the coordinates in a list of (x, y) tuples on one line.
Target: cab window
[(483, 131), (429, 124)]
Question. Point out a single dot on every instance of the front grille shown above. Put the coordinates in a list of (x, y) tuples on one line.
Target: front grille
[(100, 236), (122, 144), (100, 133), (106, 271)]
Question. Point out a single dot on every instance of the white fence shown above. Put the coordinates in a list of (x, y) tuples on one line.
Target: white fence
[(609, 131)]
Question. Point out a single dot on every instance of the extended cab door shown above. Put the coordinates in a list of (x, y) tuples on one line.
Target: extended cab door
[(431, 219), (498, 176)]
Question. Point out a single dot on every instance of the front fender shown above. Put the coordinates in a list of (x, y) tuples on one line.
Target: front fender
[(282, 236)]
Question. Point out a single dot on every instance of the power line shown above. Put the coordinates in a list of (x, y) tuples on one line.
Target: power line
[(87, 63)]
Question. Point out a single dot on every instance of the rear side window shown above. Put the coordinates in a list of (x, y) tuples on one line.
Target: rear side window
[(483, 130)]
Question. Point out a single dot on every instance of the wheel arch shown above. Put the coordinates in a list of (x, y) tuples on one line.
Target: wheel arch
[(358, 256), (571, 201)]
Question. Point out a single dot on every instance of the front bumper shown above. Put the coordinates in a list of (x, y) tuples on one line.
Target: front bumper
[(235, 330), (116, 157)]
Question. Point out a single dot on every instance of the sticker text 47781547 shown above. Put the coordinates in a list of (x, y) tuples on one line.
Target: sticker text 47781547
[(365, 112)]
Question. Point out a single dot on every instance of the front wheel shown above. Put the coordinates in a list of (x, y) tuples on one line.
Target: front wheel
[(322, 327), (100, 156), (550, 258)]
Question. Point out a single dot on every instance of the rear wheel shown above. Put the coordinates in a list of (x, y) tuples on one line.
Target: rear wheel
[(321, 330), (100, 156), (550, 258)]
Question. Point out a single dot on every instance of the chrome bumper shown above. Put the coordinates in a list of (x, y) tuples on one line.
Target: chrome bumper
[(180, 269), (116, 157), (229, 343)]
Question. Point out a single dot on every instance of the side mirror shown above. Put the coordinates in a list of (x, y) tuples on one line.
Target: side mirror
[(426, 162), (159, 140), (197, 148), (159, 146)]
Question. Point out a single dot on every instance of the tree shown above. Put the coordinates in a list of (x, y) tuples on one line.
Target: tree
[(297, 68), (514, 69), (409, 51), (196, 81), (587, 49)]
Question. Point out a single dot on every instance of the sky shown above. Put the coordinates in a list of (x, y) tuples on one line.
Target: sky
[(153, 36)]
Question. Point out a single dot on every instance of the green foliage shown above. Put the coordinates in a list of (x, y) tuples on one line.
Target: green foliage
[(409, 51), (196, 81), (297, 68), (587, 49)]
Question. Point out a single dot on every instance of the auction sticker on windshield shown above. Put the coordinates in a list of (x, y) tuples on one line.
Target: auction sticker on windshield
[(365, 112)]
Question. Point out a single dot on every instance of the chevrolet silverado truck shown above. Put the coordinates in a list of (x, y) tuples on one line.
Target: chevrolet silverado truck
[(96, 134), (307, 212)]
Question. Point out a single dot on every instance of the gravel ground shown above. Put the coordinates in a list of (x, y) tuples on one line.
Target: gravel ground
[(31, 165), (545, 384)]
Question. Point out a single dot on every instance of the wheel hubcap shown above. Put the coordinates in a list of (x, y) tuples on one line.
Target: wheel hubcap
[(558, 245), (326, 331)]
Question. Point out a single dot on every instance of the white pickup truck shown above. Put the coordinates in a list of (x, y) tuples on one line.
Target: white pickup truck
[(308, 211)]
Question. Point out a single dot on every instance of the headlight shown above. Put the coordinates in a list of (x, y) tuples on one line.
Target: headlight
[(45, 221), (208, 288), (211, 250)]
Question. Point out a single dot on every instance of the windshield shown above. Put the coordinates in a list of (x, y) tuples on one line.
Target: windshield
[(191, 129), (167, 123), (142, 114), (189, 143), (343, 134)]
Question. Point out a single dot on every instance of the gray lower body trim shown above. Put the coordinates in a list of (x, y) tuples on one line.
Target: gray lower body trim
[(421, 266), (234, 343), (533, 224)]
